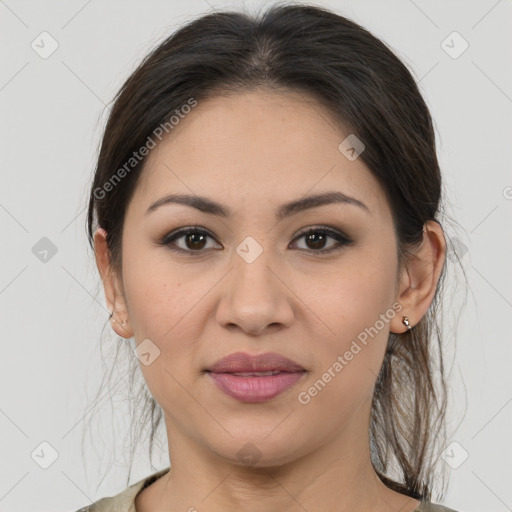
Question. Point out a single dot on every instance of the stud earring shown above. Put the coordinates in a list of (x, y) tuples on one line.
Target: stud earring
[(406, 322)]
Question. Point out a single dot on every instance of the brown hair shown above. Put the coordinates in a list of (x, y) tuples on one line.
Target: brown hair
[(366, 87)]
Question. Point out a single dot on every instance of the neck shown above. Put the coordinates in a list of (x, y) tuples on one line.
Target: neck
[(336, 476)]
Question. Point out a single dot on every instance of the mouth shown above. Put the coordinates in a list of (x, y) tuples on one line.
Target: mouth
[(255, 378)]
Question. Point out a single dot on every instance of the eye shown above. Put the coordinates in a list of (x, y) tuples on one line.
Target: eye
[(316, 237), (195, 240)]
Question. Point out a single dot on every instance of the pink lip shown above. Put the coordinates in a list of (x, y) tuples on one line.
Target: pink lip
[(255, 388)]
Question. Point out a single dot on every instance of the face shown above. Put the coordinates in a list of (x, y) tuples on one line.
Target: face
[(254, 282)]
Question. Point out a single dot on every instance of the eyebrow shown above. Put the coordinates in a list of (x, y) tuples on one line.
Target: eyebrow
[(209, 206)]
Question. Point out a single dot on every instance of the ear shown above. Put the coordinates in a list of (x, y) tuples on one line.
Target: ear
[(418, 281), (112, 286)]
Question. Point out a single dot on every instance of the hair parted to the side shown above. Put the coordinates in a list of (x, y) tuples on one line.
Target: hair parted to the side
[(342, 66)]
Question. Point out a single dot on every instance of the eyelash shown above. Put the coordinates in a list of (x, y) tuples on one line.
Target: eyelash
[(175, 235)]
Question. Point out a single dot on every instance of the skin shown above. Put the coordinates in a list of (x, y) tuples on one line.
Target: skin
[(252, 152)]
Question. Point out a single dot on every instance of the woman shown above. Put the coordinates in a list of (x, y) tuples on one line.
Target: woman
[(263, 215)]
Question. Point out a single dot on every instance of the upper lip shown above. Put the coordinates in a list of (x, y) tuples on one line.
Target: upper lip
[(243, 362)]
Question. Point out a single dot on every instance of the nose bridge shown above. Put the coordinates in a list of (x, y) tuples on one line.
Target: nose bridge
[(252, 279), (255, 297)]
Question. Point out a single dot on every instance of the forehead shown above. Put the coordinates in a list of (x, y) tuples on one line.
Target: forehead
[(271, 146)]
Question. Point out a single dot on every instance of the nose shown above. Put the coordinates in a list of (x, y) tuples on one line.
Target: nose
[(255, 297)]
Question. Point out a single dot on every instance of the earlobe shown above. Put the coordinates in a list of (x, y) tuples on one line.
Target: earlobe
[(420, 278), (121, 327)]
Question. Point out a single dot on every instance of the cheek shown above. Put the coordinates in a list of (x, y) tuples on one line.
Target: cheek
[(161, 312), (157, 294), (348, 362), (165, 307), (353, 302), (351, 296)]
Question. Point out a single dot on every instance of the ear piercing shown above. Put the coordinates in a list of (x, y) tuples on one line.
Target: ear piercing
[(122, 323), (406, 322)]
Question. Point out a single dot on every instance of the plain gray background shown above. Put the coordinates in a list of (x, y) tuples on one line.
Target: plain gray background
[(52, 113)]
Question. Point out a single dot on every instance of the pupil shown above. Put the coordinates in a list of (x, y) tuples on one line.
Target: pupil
[(191, 238), (320, 240)]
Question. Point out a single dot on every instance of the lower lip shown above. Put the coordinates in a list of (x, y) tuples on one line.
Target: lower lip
[(255, 389)]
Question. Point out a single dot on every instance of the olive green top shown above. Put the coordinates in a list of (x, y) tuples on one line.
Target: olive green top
[(124, 501)]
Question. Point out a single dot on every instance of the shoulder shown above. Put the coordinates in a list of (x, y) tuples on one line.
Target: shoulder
[(124, 501), (431, 507)]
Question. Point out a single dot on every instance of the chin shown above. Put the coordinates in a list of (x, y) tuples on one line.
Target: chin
[(259, 451)]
